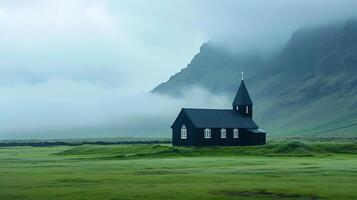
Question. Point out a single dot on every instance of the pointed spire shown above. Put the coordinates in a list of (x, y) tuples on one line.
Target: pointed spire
[(242, 97)]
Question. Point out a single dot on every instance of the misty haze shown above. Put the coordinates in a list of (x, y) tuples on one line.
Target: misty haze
[(74, 69), (178, 99)]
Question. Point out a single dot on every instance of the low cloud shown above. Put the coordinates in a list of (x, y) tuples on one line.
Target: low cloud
[(262, 26), (44, 19), (72, 109)]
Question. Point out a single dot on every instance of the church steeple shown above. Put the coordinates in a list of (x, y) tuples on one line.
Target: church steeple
[(242, 101)]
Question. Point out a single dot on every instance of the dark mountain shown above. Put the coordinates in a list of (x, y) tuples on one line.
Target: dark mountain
[(310, 87)]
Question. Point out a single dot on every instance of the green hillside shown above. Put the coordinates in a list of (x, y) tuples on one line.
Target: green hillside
[(308, 88)]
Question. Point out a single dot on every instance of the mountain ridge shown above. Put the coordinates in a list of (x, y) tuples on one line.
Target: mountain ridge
[(305, 89)]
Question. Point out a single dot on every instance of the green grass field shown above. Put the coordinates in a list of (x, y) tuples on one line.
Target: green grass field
[(279, 170)]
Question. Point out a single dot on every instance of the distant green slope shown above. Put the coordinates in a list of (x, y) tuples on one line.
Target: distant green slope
[(153, 151), (308, 88)]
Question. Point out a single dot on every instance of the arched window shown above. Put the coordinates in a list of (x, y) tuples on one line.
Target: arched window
[(223, 133), (246, 109), (207, 133), (183, 132), (235, 133)]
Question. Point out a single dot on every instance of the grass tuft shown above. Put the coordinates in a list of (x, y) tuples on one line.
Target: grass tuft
[(294, 148)]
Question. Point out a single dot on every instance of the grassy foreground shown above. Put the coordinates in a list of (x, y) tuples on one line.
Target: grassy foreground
[(275, 171)]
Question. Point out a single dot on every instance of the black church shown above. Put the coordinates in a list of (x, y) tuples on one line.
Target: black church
[(219, 127)]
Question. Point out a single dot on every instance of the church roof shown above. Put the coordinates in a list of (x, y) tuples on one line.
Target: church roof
[(242, 96), (218, 118), (256, 131)]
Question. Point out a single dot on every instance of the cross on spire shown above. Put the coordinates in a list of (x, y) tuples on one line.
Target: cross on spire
[(242, 75)]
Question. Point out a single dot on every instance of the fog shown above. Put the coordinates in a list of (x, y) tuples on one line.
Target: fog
[(83, 110), (83, 68)]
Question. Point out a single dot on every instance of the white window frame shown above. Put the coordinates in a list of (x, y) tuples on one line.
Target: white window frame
[(207, 133), (235, 133), (183, 132), (246, 109), (223, 133)]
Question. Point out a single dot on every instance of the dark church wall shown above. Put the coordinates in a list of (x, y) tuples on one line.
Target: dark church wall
[(216, 139), (246, 138), (195, 137), (249, 138), (176, 131)]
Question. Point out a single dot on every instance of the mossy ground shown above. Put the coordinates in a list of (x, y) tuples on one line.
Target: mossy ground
[(275, 171)]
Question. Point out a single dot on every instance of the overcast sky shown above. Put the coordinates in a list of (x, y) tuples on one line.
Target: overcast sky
[(77, 64)]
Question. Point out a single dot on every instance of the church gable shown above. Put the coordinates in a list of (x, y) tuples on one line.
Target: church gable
[(182, 118)]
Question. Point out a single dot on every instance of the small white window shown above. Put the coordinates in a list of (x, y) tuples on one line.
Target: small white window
[(237, 107), (223, 133), (235, 133), (183, 132), (246, 109), (207, 133)]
